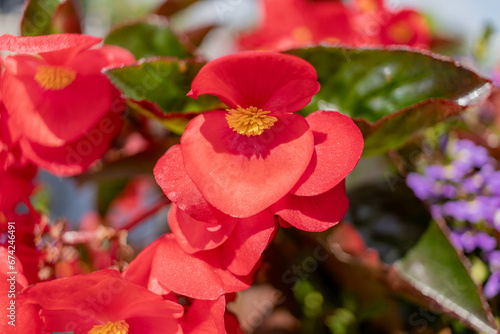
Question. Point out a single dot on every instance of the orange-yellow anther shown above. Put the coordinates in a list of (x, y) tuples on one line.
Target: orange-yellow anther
[(119, 327), (302, 34), (250, 121), (368, 6), (400, 32), (54, 77)]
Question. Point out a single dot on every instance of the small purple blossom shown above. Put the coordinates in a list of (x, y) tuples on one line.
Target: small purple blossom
[(422, 186), (492, 286), (486, 242)]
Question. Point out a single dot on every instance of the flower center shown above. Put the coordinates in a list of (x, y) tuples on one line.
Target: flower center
[(250, 121), (400, 32), (368, 6), (54, 77), (119, 327), (302, 34)]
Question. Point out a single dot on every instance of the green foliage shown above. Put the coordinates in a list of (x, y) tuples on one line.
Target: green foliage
[(45, 17), (148, 38), (435, 269), (392, 95), (164, 82)]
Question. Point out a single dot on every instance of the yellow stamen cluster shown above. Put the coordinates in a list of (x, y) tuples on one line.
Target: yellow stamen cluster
[(302, 34), (368, 6), (400, 32), (250, 121), (54, 77), (119, 327)]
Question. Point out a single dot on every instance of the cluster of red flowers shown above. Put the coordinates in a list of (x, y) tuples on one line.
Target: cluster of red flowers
[(288, 24), (235, 178)]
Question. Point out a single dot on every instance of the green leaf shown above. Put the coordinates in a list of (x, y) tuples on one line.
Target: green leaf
[(440, 273), (148, 38), (392, 94), (108, 190), (160, 85), (45, 17)]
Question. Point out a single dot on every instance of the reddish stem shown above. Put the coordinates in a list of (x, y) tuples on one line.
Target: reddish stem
[(142, 216)]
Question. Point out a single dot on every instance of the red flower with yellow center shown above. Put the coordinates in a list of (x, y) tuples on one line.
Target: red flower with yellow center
[(102, 303), (246, 159), (61, 108)]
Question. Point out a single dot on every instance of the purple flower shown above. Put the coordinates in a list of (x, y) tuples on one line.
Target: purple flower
[(493, 183), (468, 241), (492, 287), (473, 184), (436, 172), (469, 154), (493, 259), (422, 186), (486, 242), (456, 209), (456, 239)]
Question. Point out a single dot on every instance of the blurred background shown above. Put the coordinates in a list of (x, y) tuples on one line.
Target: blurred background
[(338, 294), (463, 19)]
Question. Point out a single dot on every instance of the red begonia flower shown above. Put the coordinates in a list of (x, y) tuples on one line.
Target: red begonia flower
[(246, 158), (240, 244), (103, 300), (377, 25), (190, 275), (406, 27), (287, 24), (296, 23), (225, 267), (57, 99)]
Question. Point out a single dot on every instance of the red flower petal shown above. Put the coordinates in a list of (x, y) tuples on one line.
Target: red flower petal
[(171, 176), (193, 235), (241, 175), (205, 317), (75, 157), (139, 270), (197, 276), (49, 43), (94, 61), (338, 144), (316, 213), (243, 249), (271, 81)]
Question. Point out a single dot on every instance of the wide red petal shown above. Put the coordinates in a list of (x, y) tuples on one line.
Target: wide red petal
[(316, 213), (338, 144), (171, 176), (241, 175), (267, 80), (205, 317), (195, 236), (93, 61), (75, 157), (49, 43), (139, 270), (198, 276), (243, 249), (53, 117)]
